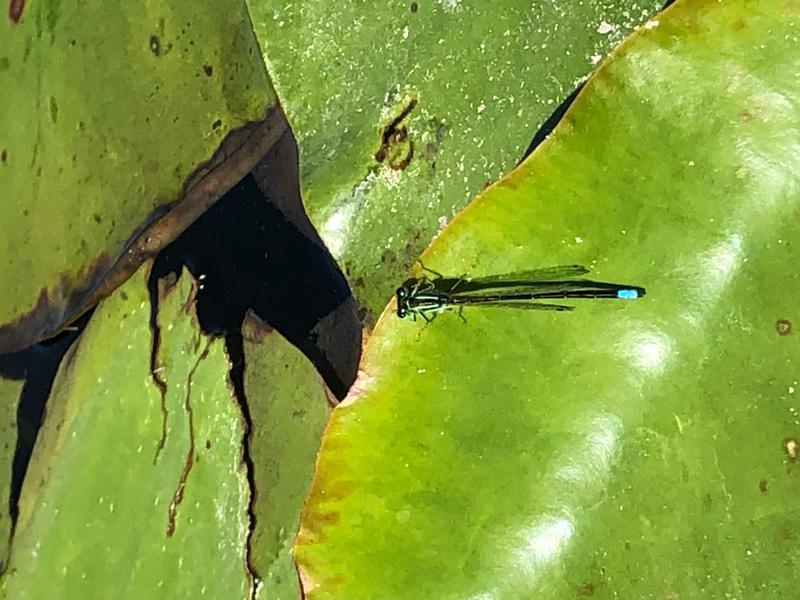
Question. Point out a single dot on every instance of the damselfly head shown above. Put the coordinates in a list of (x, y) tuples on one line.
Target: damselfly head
[(402, 302)]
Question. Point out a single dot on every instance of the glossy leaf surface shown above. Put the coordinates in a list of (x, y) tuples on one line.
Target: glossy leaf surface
[(627, 449)]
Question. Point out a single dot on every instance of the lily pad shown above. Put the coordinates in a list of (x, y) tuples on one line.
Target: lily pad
[(114, 137), (142, 468), (626, 449), (405, 110), (288, 407), (10, 390)]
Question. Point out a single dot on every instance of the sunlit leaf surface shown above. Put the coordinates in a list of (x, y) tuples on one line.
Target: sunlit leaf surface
[(631, 449)]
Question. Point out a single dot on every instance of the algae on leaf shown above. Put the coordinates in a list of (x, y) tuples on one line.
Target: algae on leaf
[(623, 449)]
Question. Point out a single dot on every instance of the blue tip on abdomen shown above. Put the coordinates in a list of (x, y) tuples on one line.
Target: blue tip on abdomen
[(628, 294)]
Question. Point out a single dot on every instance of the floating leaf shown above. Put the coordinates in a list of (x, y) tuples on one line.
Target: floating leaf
[(10, 391), (137, 487), (288, 407), (114, 137), (626, 449)]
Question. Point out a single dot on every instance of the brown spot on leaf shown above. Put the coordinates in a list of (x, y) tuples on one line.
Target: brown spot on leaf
[(208, 444), (783, 326), (762, 486), (392, 138), (216, 124), (414, 7), (15, 8), (97, 218), (155, 45), (3, 156), (586, 590), (208, 70), (399, 164)]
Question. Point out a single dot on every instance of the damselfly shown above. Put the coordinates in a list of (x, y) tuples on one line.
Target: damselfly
[(426, 297)]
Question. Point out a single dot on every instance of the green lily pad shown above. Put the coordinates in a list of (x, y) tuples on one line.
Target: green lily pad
[(114, 136), (626, 449), (10, 391), (289, 408), (137, 486), (405, 110)]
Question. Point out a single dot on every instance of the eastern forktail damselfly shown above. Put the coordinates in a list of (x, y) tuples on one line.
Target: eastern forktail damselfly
[(426, 297)]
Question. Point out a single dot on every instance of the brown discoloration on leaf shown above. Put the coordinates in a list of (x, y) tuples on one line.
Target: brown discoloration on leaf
[(254, 329), (783, 326), (51, 311), (586, 590), (314, 526), (340, 489), (188, 463), (762, 486), (63, 303), (164, 285), (15, 8), (391, 139)]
